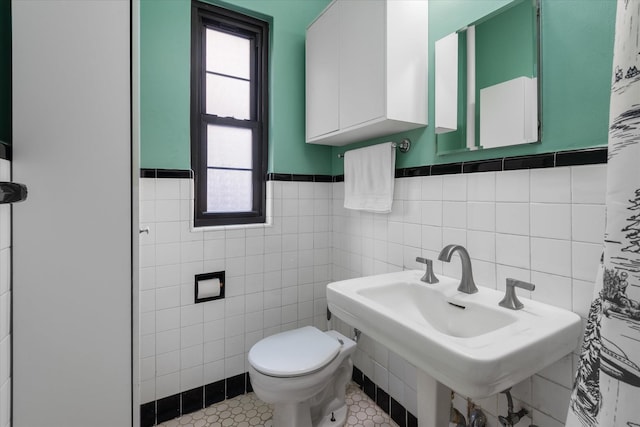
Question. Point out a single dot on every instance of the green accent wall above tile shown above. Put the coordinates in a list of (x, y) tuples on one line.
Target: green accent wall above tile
[(165, 83), (576, 48), (576, 57)]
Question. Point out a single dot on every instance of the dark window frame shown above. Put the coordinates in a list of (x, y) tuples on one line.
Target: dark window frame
[(204, 16)]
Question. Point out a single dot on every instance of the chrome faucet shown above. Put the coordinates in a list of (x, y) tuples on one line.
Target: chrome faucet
[(510, 299), (429, 276), (467, 285)]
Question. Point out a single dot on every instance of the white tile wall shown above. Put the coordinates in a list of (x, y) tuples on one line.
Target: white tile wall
[(5, 303), (544, 226), (275, 280)]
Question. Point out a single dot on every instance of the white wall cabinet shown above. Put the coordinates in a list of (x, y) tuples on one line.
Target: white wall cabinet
[(366, 70)]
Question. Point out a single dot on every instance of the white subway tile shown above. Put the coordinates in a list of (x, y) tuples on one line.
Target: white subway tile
[(167, 341), (589, 184), (167, 189), (412, 211), (191, 315), (147, 189), (233, 346), (191, 378), (147, 368), (432, 188), (512, 186), (512, 218), (147, 323), (412, 235), (454, 236), (454, 187), (560, 372), (551, 220), (191, 335), (551, 289), (213, 330), (582, 296), (512, 250), (588, 223), (167, 210), (551, 185), (289, 190), (213, 351), (484, 273), (214, 371), (454, 214), (167, 363), (272, 317), (381, 376), (167, 297), (542, 419), (432, 238), (167, 319), (482, 245), (234, 326), (481, 216), (5, 359), (551, 256), (167, 275), (481, 187), (413, 188), (214, 249), (167, 253), (550, 397), (147, 256), (585, 260), (167, 385), (5, 317), (148, 345), (5, 270)]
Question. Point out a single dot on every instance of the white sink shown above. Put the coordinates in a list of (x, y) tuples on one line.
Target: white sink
[(466, 342)]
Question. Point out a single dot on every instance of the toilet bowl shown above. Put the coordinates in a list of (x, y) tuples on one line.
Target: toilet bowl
[(303, 373)]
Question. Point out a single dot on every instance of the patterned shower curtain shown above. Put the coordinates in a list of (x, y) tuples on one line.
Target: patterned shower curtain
[(606, 392)]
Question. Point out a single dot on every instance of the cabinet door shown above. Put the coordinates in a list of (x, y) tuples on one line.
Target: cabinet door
[(323, 74), (362, 59)]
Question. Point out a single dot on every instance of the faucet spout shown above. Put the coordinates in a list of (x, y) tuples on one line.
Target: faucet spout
[(467, 285)]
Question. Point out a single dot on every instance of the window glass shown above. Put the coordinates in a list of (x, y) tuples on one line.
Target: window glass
[(229, 147), (229, 107), (227, 54), (228, 97), (229, 190)]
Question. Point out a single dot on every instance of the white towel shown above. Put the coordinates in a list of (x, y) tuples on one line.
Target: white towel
[(368, 178)]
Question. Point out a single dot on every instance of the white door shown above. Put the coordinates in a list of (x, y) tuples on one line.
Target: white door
[(72, 276)]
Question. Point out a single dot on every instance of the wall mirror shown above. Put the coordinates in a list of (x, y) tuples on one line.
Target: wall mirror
[(487, 81)]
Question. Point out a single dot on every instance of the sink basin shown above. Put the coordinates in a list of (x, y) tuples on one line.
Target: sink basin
[(466, 342)]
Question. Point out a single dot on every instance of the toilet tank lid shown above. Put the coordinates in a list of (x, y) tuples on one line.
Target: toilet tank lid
[(293, 353)]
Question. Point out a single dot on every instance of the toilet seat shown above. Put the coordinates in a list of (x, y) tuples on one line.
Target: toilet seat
[(294, 353)]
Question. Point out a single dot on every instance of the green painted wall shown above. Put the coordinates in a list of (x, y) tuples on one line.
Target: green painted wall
[(164, 88), (5, 71), (577, 53)]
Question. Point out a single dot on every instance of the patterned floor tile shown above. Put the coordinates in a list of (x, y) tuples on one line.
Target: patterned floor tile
[(249, 411)]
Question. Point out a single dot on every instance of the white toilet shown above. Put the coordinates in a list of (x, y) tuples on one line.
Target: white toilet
[(304, 374)]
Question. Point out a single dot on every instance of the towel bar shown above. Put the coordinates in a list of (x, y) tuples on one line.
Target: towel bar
[(403, 146)]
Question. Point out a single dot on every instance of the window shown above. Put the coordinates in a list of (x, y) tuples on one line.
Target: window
[(229, 102)]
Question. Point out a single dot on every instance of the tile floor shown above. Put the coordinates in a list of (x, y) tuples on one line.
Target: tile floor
[(248, 411)]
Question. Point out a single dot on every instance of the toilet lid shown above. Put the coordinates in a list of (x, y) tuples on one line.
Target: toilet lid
[(294, 353)]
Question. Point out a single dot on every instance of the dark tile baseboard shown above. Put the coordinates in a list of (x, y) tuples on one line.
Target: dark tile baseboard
[(589, 156), (170, 407), (388, 404)]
